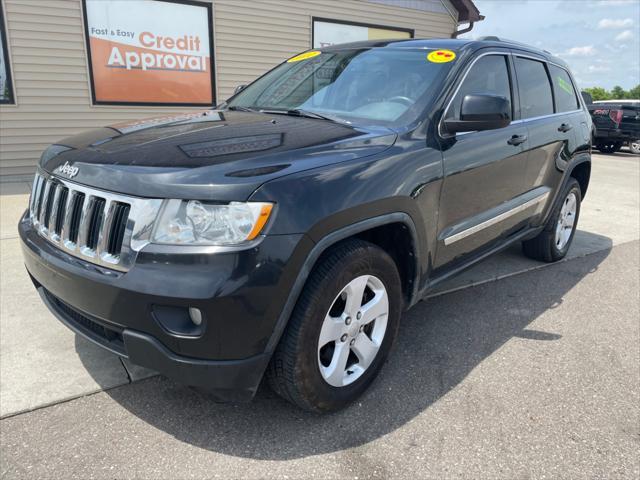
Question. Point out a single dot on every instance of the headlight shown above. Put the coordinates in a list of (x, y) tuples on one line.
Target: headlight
[(198, 223)]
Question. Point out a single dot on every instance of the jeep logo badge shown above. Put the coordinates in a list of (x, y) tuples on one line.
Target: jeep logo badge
[(67, 170)]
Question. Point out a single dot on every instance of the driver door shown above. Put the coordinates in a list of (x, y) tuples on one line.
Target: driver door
[(483, 171)]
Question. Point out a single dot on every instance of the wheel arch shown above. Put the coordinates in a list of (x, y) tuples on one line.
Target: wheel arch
[(372, 230), (581, 171)]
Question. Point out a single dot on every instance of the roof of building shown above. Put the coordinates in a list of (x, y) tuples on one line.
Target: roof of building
[(467, 11)]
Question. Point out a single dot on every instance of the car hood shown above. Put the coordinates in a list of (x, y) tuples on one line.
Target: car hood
[(207, 155)]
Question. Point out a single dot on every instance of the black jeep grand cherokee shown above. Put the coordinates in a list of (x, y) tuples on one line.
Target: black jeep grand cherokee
[(284, 233)]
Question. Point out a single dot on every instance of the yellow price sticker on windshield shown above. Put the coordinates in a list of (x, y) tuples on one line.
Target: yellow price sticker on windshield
[(441, 56), (304, 56)]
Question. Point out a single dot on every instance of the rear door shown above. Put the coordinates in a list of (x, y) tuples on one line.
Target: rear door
[(483, 171), (550, 109)]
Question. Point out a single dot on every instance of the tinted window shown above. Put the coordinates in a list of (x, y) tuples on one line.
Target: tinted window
[(488, 75), (535, 90), (566, 98)]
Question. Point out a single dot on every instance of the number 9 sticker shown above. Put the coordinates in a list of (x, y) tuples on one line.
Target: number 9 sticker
[(441, 56)]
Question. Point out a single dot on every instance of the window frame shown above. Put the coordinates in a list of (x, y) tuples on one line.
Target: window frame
[(513, 85), (573, 86), (7, 59), (545, 65)]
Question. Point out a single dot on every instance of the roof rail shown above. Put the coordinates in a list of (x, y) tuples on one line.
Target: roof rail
[(493, 38)]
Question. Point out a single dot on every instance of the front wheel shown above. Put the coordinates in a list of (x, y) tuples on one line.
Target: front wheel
[(341, 330), (635, 147), (553, 243)]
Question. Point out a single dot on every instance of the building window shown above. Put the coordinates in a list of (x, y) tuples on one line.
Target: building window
[(6, 84), (331, 32), (150, 52)]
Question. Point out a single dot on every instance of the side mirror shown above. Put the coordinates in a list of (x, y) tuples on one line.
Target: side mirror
[(481, 112), (239, 88)]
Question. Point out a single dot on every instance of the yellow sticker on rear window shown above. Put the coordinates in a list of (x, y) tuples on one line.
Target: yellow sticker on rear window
[(441, 56), (304, 56)]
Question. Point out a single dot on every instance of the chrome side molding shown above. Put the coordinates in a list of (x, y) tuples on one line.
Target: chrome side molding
[(535, 201)]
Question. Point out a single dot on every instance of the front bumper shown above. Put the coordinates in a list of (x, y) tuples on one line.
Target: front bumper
[(240, 294)]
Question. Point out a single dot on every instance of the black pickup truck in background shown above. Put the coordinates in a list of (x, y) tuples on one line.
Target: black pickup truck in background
[(615, 123)]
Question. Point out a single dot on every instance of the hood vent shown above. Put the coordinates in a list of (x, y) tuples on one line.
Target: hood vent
[(256, 172), (229, 146)]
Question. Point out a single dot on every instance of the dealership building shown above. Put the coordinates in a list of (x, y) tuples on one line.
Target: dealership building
[(70, 65)]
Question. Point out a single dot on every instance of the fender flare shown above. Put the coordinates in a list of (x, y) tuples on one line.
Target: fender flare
[(577, 160), (323, 245), (568, 169)]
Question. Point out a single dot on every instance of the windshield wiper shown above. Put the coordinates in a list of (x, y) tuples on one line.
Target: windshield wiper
[(298, 112), (238, 108)]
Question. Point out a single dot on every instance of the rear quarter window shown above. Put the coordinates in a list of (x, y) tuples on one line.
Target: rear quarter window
[(565, 94)]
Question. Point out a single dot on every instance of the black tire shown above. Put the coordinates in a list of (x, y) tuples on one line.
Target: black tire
[(294, 372), (609, 146), (604, 147), (544, 247)]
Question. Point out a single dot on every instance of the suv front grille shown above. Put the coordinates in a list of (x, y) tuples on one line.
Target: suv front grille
[(101, 227)]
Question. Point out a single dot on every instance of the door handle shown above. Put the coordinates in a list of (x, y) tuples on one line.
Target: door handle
[(517, 140), (565, 127)]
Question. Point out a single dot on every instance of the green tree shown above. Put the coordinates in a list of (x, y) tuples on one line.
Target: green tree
[(634, 93), (598, 93), (618, 93)]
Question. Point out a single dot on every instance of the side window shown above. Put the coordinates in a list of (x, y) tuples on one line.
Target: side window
[(536, 98), (489, 74), (566, 98)]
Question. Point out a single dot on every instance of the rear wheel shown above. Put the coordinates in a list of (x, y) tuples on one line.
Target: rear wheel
[(635, 147), (341, 330), (609, 146), (553, 243)]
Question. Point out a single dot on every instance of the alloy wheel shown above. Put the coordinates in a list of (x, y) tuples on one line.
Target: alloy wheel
[(353, 330), (566, 221)]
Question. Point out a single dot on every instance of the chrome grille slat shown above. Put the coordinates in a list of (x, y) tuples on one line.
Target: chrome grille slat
[(61, 211), (105, 231), (38, 201), (35, 192), (100, 227), (117, 227), (53, 210), (85, 220), (96, 223), (72, 224), (42, 203)]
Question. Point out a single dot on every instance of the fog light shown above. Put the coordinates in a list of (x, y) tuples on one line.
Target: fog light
[(195, 315), (179, 321)]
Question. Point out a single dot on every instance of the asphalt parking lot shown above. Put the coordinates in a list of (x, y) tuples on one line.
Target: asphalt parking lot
[(516, 369)]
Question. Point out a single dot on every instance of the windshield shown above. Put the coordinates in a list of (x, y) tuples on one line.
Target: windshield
[(379, 85)]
